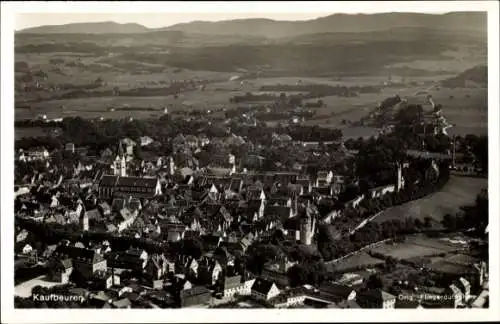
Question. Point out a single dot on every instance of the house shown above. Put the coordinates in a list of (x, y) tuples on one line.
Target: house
[(85, 261), (49, 250), (126, 218), (255, 209), (122, 303), (264, 290), (354, 203), (93, 215), (277, 271), (350, 279), (457, 297), (197, 295), (129, 146), (181, 283), (274, 214), (482, 300), (255, 193), (348, 304), (104, 208), (60, 270), (322, 191), (27, 249), (190, 268), (137, 187), (376, 298), (233, 285), (159, 266), (69, 147), (145, 140), (118, 291), (381, 191), (101, 299), (323, 178), (21, 236), (465, 287), (337, 292), (106, 279), (34, 154), (211, 242), (209, 271), (174, 230), (289, 298), (132, 259)]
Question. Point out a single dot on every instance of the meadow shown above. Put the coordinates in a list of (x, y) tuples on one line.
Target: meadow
[(146, 66), (359, 260), (415, 247), (459, 191)]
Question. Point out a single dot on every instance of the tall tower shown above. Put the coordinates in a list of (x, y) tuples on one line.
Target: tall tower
[(83, 217), (399, 183), (120, 165), (307, 226), (171, 166)]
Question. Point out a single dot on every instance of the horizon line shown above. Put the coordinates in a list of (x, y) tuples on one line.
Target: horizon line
[(237, 19)]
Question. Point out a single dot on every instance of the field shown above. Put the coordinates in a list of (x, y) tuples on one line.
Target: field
[(361, 259), (21, 132), (131, 62), (417, 246), (459, 191)]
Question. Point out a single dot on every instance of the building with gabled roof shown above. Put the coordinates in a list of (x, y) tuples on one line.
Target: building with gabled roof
[(86, 261), (263, 289), (376, 298), (137, 187)]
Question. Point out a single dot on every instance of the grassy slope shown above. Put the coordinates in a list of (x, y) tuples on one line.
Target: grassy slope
[(457, 192)]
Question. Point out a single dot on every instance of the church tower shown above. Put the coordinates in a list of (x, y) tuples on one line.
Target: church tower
[(399, 183), (83, 217), (307, 226), (120, 164), (171, 166)]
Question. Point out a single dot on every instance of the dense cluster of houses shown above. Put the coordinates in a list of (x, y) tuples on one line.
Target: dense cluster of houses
[(171, 199)]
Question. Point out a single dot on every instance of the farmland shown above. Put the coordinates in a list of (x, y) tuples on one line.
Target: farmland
[(359, 260), (416, 246), (240, 65), (459, 191)]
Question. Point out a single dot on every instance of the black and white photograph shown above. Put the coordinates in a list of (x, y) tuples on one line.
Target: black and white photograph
[(282, 157)]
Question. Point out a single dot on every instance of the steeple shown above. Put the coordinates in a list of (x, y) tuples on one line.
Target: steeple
[(120, 164), (120, 150)]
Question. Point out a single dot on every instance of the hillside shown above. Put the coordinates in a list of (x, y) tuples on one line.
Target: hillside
[(470, 21), (338, 23), (458, 192), (107, 27), (477, 76)]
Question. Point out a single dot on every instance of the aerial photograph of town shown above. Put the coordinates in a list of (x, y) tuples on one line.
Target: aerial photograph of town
[(330, 161)]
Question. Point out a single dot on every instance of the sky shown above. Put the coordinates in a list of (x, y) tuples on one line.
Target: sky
[(154, 15)]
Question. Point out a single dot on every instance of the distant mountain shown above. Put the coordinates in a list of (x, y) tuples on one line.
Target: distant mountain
[(107, 27), (477, 76), (337, 23)]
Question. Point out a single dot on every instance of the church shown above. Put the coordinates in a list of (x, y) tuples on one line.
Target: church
[(121, 185)]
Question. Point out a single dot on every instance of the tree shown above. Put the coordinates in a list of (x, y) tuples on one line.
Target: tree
[(427, 222), (193, 248), (449, 221), (297, 275), (390, 264), (374, 282)]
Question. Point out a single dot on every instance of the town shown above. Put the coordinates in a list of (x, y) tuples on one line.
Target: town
[(327, 162), (196, 211)]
